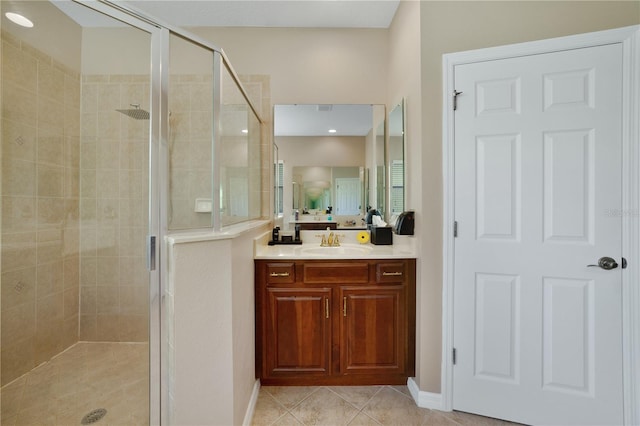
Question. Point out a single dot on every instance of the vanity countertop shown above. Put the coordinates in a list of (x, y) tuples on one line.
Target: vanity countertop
[(403, 247)]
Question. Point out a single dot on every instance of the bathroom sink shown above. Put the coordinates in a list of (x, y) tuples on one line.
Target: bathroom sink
[(344, 250)]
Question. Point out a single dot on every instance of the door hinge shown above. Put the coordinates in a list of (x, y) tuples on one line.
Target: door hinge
[(453, 356), (624, 263), (455, 99), (455, 229)]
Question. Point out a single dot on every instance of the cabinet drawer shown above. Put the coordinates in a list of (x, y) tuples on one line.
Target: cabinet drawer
[(338, 272), (281, 272), (390, 272)]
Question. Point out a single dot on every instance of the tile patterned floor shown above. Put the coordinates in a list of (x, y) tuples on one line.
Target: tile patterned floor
[(85, 377), (353, 406)]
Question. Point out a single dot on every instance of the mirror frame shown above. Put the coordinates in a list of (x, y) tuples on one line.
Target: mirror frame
[(401, 107)]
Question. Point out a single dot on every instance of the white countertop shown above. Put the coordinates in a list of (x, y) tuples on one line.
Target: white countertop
[(403, 247)]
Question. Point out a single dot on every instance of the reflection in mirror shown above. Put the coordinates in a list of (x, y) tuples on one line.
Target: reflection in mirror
[(338, 143), (396, 159), (277, 182), (321, 188)]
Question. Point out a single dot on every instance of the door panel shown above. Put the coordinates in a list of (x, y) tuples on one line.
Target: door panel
[(537, 167)]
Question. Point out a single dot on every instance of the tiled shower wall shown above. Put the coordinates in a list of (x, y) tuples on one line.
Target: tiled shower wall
[(113, 209), (40, 207), (190, 135)]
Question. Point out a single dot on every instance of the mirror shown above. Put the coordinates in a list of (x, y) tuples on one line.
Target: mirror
[(325, 149), (396, 160)]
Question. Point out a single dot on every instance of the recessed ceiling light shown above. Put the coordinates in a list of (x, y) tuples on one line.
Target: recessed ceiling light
[(332, 130), (19, 19), (245, 131)]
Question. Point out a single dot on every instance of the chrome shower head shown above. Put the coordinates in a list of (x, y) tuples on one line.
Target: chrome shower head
[(136, 112)]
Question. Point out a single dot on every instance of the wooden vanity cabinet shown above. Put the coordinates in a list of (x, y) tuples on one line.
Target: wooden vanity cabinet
[(346, 322)]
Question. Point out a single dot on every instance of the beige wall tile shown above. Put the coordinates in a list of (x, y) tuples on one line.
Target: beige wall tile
[(108, 124), (88, 301), (71, 182), (88, 272), (50, 82), (19, 68), (18, 104), (18, 141), (51, 212), (133, 328), (88, 212), (108, 272), (107, 301), (18, 250), (18, 177), (71, 306), (71, 272), (108, 242), (88, 327), (107, 183), (50, 279), (18, 214), (88, 243), (18, 287), (72, 151), (18, 323), (88, 188), (109, 97), (108, 327), (108, 154), (50, 181), (17, 359), (70, 242), (51, 112), (134, 300), (70, 332)]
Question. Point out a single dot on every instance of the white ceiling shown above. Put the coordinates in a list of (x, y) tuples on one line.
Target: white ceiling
[(252, 13), (272, 13)]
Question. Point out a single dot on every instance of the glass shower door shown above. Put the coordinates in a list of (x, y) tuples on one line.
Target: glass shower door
[(77, 129)]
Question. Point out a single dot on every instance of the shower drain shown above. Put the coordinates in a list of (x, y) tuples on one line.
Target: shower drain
[(94, 416)]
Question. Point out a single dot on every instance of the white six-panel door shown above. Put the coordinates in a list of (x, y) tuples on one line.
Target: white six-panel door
[(537, 331)]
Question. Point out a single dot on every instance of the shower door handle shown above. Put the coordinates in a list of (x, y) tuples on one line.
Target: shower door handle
[(151, 253)]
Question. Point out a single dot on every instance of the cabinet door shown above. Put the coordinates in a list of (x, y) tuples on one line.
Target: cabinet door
[(373, 330), (298, 332)]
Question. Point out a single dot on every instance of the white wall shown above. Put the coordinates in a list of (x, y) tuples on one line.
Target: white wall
[(212, 335)]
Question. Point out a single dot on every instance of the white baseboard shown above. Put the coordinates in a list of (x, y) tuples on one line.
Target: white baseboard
[(248, 417), (432, 401)]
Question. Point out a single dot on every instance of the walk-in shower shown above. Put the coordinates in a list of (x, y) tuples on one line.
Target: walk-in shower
[(85, 124)]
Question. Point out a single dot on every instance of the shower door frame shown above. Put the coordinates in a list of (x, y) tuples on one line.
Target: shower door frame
[(157, 260), (156, 214)]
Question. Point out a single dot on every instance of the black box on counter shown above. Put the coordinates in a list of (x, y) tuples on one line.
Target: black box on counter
[(381, 235)]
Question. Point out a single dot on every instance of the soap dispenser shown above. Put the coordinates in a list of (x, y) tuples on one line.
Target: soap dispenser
[(276, 234)]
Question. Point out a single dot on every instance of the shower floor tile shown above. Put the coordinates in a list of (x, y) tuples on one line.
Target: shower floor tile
[(85, 377)]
